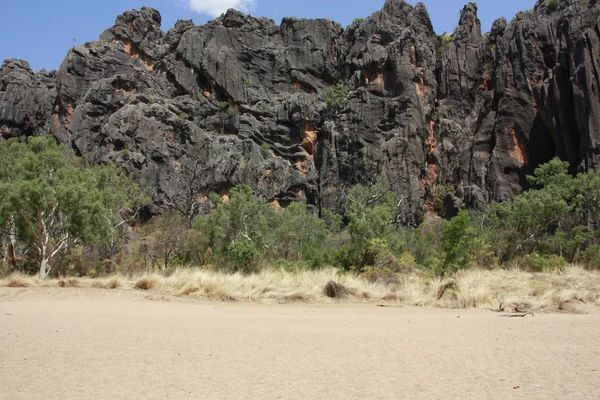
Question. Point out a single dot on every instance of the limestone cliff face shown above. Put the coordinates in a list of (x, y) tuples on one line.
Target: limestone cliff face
[(240, 100)]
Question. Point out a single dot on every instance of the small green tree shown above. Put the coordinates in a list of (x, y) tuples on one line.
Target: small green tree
[(298, 233), (241, 217), (358, 21), (456, 243), (522, 224), (372, 211), (122, 200)]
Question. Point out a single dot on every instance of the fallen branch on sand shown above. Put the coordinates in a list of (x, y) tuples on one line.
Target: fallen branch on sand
[(518, 315)]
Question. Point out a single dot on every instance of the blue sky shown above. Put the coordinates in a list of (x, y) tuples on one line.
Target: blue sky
[(42, 31)]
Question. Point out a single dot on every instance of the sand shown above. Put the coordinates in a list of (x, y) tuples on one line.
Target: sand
[(99, 344)]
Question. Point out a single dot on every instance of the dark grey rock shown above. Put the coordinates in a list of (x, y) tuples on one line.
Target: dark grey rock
[(241, 100)]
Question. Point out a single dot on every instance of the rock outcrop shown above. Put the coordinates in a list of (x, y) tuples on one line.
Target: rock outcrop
[(241, 100)]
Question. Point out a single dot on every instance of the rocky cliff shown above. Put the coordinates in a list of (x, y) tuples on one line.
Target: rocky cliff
[(241, 100)]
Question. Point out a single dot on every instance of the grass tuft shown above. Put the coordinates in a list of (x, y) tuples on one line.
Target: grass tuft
[(145, 284), (334, 290), (16, 281)]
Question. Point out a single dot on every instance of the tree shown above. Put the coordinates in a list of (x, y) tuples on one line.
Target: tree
[(456, 243), (122, 200), (522, 224), (163, 238), (47, 200), (298, 232), (192, 179), (52, 202), (241, 217), (372, 211)]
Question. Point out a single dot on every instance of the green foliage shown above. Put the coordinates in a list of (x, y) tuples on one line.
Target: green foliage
[(358, 21), (244, 255), (85, 212), (538, 263), (591, 257), (440, 197), (336, 95), (521, 225), (183, 115), (445, 40), (227, 114), (425, 243), (52, 202), (298, 233), (553, 4), (372, 212), (125, 154), (242, 217), (265, 149), (456, 243)]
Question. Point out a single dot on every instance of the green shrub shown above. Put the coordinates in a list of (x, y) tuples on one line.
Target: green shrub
[(5, 269), (440, 198), (591, 257), (336, 94), (244, 255), (358, 21), (445, 40), (347, 258), (457, 242), (265, 149), (183, 116), (538, 263), (553, 4), (125, 154)]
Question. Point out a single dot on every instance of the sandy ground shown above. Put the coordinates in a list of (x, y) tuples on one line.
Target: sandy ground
[(99, 344)]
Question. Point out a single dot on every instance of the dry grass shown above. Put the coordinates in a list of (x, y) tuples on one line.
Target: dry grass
[(572, 290), (16, 281), (145, 283)]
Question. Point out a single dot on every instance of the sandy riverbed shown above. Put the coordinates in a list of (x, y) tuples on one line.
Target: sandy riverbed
[(98, 344)]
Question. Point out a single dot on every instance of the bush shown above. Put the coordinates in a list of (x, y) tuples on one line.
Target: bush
[(347, 258), (591, 257), (457, 243), (336, 94), (445, 40), (5, 269), (265, 149), (440, 198), (553, 4), (318, 258), (537, 263), (244, 255)]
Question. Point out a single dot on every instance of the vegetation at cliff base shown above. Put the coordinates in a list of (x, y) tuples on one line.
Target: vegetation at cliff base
[(61, 216)]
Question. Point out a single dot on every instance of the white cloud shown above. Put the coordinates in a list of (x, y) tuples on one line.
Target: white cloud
[(214, 8)]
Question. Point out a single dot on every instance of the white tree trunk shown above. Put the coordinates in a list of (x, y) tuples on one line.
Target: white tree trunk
[(43, 266)]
